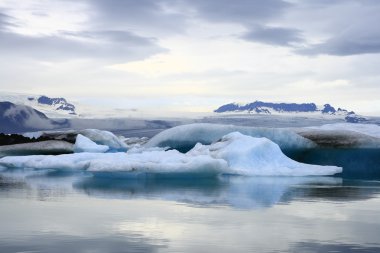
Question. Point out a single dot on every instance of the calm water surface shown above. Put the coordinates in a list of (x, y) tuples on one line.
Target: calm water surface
[(78, 213)]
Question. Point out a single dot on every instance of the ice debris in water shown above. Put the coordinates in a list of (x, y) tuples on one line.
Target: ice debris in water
[(84, 144), (185, 137), (235, 153)]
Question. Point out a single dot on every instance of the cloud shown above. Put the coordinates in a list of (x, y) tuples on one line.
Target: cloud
[(114, 46), (142, 16), (274, 35), (244, 12), (340, 47), (360, 38), (343, 28), (254, 16), (5, 21)]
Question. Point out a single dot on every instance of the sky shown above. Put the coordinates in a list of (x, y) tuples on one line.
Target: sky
[(193, 55)]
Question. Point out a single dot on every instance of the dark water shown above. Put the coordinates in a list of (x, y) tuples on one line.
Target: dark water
[(78, 213)]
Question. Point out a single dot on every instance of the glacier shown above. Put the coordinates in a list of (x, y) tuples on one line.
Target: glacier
[(235, 153)]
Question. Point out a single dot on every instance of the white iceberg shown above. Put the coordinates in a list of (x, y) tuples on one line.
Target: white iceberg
[(246, 155), (170, 161), (74, 161), (104, 138), (185, 137), (234, 154), (84, 144), (151, 161)]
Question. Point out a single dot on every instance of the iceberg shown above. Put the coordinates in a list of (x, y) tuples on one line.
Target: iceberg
[(246, 155), (104, 138), (100, 137), (76, 161), (184, 138), (235, 153), (343, 135), (37, 148), (84, 144), (367, 129), (170, 161)]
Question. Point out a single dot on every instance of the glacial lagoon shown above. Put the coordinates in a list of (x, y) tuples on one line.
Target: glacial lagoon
[(117, 202), (79, 213)]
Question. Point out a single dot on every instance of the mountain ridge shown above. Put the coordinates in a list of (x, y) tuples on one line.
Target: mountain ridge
[(20, 118), (55, 107), (269, 108)]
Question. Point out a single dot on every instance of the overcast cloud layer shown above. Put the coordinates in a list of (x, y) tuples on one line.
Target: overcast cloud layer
[(193, 55)]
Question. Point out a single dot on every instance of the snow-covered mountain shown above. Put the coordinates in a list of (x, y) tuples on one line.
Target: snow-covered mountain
[(20, 118), (277, 108), (307, 109), (52, 107)]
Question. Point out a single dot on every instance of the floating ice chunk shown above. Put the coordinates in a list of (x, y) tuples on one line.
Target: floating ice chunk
[(368, 129), (98, 136), (170, 161), (104, 138), (37, 148), (185, 137), (84, 144), (75, 161), (251, 156), (339, 138), (151, 161)]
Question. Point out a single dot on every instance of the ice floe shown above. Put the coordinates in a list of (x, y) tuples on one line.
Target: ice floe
[(235, 153)]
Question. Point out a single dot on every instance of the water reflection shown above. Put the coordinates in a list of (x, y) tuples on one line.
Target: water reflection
[(45, 243), (238, 192), (234, 191), (319, 247), (79, 213)]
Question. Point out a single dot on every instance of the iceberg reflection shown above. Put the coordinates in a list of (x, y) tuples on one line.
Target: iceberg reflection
[(235, 191)]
